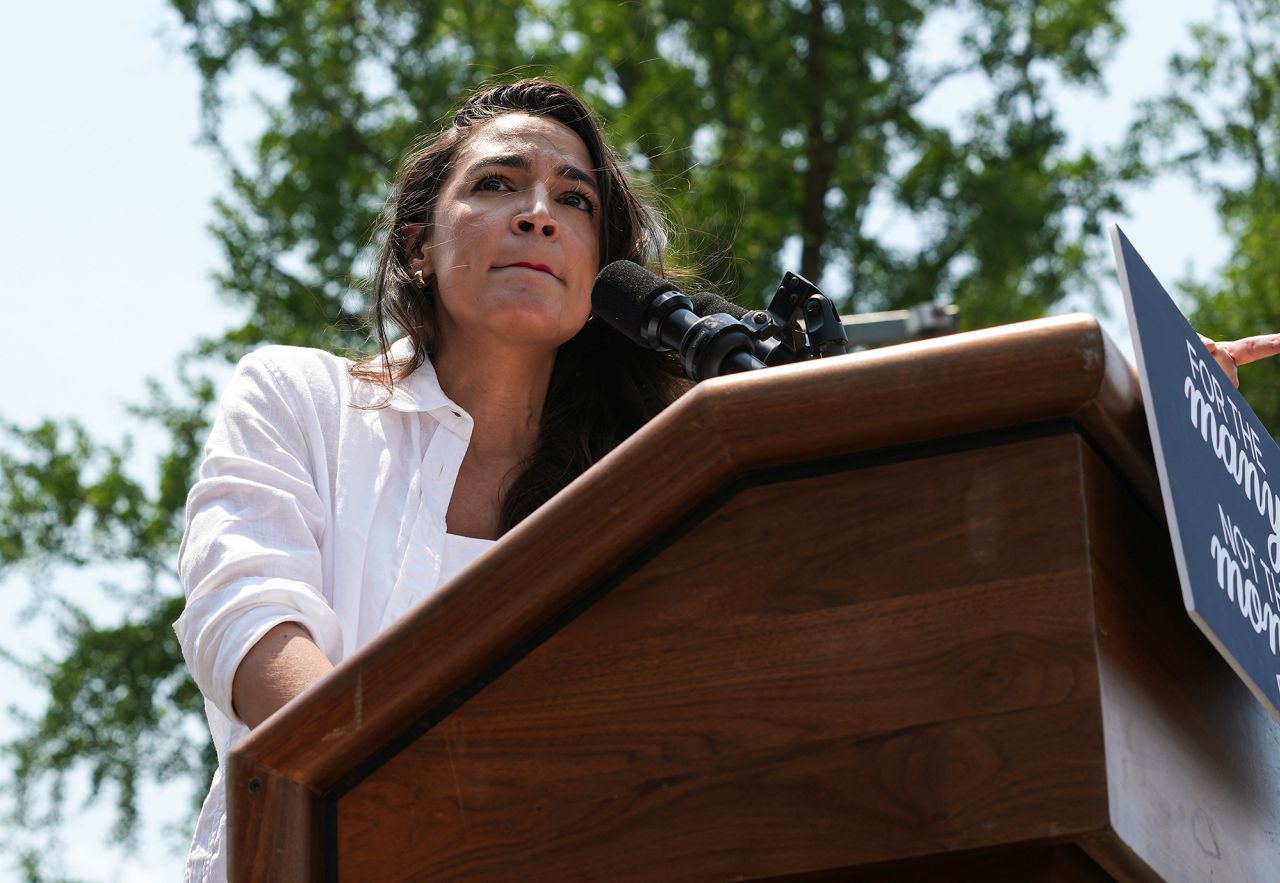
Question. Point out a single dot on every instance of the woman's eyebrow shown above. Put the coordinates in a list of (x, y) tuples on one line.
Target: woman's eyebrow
[(524, 164), (574, 173)]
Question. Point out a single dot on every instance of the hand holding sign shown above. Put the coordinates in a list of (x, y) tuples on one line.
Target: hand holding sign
[(1230, 354)]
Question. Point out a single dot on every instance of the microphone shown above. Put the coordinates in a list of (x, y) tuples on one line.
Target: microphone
[(769, 350), (705, 303), (654, 313)]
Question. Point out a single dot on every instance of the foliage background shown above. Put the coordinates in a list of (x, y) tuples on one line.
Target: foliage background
[(990, 202)]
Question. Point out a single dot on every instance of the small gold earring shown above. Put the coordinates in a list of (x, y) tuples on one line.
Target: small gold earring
[(417, 277)]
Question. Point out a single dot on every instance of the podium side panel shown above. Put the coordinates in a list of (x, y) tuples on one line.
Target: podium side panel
[(1193, 759)]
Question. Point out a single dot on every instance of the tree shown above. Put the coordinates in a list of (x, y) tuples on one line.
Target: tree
[(808, 124), (762, 125), (1220, 125), (118, 696)]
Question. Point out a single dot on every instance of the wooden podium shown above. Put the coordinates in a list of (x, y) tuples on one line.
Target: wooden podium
[(909, 614)]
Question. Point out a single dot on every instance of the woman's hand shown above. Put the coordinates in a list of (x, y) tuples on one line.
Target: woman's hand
[(1231, 354)]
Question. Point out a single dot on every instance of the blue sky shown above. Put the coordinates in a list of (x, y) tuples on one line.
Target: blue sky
[(105, 196)]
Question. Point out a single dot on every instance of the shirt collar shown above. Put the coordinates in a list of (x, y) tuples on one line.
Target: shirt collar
[(420, 391)]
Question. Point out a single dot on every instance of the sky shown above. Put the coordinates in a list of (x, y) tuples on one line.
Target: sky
[(105, 261)]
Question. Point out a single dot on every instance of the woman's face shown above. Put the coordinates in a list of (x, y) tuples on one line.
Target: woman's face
[(515, 243)]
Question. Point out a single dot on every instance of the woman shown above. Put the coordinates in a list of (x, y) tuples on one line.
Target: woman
[(333, 497)]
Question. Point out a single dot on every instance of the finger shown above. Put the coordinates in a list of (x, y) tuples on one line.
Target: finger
[(1232, 372), (1209, 343), (1251, 349), (1227, 364)]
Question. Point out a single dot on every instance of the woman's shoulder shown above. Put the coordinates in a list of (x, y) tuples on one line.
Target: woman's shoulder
[(320, 380), (300, 376), (297, 363)]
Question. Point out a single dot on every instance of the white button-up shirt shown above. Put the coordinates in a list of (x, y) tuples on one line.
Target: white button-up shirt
[(313, 506)]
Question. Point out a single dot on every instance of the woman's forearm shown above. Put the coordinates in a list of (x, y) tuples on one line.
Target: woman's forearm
[(280, 666)]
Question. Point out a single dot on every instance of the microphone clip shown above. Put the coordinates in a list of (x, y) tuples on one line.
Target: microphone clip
[(800, 323)]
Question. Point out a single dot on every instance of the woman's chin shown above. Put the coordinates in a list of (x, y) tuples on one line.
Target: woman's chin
[(535, 325)]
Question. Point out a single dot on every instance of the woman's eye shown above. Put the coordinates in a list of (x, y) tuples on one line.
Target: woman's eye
[(491, 183), (581, 201)]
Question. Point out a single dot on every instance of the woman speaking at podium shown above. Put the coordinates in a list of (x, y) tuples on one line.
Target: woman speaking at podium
[(335, 495)]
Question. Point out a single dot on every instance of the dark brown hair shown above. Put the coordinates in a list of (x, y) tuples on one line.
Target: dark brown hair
[(603, 387)]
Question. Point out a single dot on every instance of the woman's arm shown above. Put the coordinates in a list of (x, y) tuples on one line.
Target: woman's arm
[(258, 628), (280, 666)]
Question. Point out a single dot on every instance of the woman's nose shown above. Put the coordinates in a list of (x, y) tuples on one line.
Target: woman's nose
[(525, 225), (536, 218)]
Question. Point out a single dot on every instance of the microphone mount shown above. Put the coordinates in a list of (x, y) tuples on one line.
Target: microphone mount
[(800, 323)]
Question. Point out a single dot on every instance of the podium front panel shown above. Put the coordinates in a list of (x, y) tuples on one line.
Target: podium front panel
[(918, 678)]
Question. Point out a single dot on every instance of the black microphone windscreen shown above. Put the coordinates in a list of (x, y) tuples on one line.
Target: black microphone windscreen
[(622, 294), (705, 304)]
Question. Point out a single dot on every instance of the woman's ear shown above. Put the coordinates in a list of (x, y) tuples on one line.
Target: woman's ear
[(413, 239)]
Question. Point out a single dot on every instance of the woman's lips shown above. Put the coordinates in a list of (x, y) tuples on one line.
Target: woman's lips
[(540, 267)]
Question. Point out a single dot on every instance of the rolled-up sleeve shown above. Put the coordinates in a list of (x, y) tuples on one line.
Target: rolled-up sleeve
[(250, 557)]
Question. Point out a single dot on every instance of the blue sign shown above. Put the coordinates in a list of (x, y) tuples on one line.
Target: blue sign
[(1220, 477)]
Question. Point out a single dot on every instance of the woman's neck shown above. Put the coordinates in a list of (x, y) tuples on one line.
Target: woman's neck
[(503, 390)]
